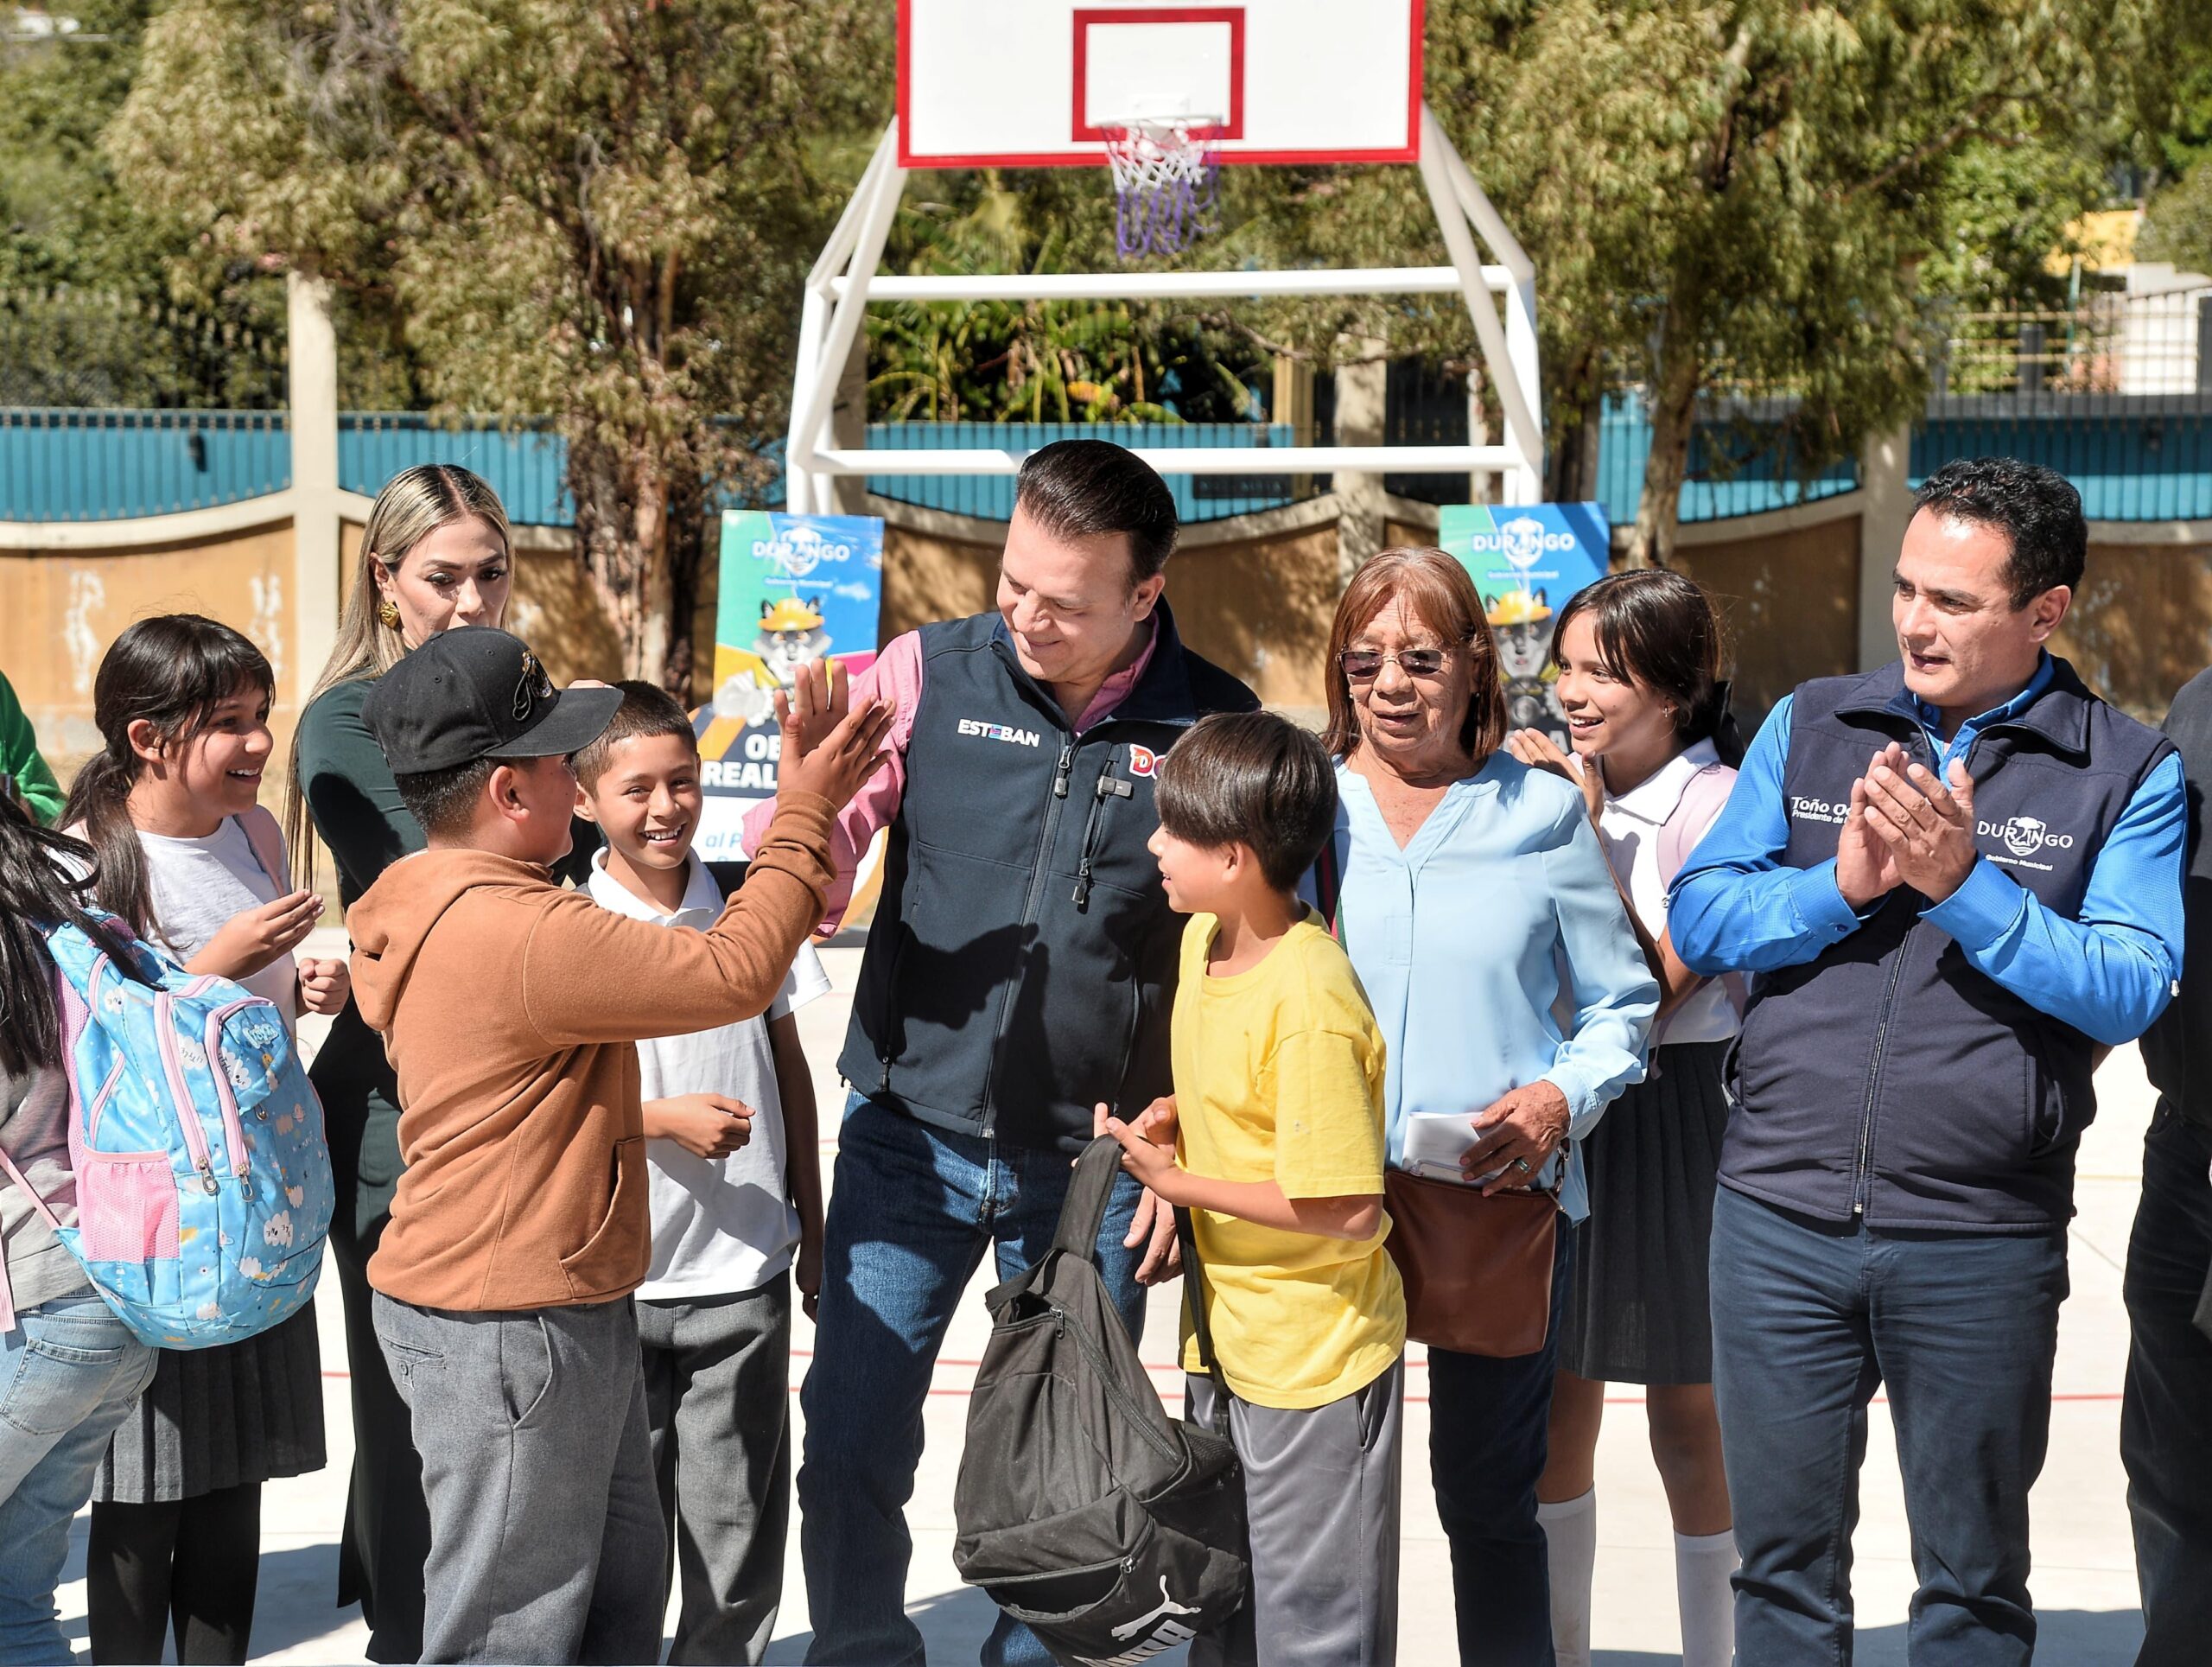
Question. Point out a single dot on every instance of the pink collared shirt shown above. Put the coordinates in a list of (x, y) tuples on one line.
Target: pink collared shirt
[(897, 677)]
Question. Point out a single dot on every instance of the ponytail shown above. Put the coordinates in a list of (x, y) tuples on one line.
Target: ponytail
[(168, 673), (98, 813), (1715, 721), (36, 894)]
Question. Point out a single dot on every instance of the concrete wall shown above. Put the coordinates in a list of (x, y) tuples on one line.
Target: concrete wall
[(1804, 594), (1790, 601), (2142, 625), (61, 608), (1258, 606)]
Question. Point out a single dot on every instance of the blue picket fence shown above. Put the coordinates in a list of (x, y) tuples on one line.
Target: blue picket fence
[(1737, 466), (2134, 458), (525, 464), (92, 465)]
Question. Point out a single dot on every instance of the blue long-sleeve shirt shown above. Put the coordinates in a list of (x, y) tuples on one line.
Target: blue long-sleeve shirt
[(2108, 971), (1496, 952)]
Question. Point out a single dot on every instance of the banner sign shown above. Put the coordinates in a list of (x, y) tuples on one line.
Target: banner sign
[(1527, 560), (795, 588)]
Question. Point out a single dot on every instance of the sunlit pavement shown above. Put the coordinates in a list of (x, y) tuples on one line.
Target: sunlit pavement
[(2084, 1580)]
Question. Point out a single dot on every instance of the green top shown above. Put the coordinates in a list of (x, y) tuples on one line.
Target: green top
[(349, 790), (35, 783)]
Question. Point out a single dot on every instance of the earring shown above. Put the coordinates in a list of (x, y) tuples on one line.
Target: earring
[(388, 615)]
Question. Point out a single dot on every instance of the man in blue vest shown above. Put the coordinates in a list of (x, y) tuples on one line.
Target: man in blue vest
[(1957, 880), (1021, 971)]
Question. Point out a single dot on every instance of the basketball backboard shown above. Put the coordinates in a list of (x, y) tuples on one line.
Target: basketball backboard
[(1029, 83)]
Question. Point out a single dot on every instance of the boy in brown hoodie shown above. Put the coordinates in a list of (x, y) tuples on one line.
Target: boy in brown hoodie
[(508, 1009)]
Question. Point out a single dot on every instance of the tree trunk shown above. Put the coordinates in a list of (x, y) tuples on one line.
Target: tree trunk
[(688, 553), (1572, 467), (1674, 411), (622, 542)]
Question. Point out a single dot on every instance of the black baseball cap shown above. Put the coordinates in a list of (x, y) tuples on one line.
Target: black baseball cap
[(477, 692)]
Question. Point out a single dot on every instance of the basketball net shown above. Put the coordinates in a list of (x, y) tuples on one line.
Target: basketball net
[(1166, 183)]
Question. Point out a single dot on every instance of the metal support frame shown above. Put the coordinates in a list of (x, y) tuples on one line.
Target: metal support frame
[(844, 281)]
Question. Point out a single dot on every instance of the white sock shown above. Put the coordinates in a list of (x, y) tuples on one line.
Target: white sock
[(1703, 1563), (1571, 1540)]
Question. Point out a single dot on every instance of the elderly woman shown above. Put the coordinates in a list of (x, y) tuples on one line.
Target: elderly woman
[(1477, 909)]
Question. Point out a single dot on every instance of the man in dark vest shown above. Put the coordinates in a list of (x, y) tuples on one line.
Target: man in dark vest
[(1021, 971), (1957, 880), (2166, 1418)]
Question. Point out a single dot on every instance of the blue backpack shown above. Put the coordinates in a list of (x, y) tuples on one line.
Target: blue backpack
[(203, 1190)]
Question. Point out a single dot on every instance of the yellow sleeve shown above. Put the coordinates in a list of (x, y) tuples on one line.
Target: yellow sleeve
[(1328, 1135)]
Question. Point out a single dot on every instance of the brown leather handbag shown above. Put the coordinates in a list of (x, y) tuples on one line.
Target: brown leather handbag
[(1478, 1271)]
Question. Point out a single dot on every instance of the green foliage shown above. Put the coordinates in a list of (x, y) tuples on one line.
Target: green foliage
[(1743, 196), (1039, 361), (88, 313), (600, 212), (2177, 226)]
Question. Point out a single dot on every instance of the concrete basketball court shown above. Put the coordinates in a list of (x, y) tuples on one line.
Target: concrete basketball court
[(2084, 1579)]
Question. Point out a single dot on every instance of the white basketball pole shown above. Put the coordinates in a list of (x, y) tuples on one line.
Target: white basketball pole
[(857, 244), (1521, 344), (845, 280), (1176, 286)]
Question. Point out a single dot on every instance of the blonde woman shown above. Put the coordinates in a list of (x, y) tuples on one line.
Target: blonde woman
[(436, 555)]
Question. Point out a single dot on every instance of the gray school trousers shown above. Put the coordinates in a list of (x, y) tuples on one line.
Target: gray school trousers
[(718, 1399), (1321, 1518), (545, 1531)]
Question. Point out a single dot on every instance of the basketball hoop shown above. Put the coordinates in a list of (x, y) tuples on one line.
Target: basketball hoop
[(1166, 182)]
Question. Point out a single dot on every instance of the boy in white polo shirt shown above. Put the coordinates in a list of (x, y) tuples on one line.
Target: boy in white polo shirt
[(736, 1195)]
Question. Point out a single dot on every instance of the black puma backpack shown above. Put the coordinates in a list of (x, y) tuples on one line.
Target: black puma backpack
[(1114, 1530)]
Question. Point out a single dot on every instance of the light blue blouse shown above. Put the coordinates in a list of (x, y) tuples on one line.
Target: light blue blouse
[(1495, 951)]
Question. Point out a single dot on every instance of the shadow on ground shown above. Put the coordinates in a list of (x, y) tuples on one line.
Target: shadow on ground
[(2068, 1637), (955, 1623)]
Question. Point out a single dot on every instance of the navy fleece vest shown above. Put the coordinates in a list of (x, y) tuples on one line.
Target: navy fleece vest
[(1887, 1078), (1022, 963)]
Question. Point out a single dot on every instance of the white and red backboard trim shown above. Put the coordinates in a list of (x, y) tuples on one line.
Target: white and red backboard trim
[(1026, 83)]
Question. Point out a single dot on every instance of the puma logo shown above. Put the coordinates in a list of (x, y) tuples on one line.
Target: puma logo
[(1168, 1606), (1162, 1632)]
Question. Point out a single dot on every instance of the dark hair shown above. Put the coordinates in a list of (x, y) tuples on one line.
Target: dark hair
[(2036, 508), (1443, 597), (1658, 628), (171, 672), (1074, 489), (37, 893), (444, 800), (646, 709), (1251, 778)]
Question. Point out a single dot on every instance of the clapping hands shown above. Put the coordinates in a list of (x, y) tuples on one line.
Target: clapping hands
[(1906, 827)]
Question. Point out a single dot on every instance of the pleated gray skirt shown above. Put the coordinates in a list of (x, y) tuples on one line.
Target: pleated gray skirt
[(221, 1417), (1639, 1311)]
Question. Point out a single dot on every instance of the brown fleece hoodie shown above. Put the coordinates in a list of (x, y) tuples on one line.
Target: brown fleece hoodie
[(509, 1007)]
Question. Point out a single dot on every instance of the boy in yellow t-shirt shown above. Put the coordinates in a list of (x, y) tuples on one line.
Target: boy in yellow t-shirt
[(1274, 1141)]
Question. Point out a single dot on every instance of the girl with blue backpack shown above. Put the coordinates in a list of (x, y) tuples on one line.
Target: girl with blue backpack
[(186, 855), (70, 1369)]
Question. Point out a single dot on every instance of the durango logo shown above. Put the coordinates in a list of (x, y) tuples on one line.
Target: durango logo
[(2023, 836), (1001, 732)]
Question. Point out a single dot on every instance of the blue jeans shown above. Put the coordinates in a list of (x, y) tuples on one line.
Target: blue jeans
[(2165, 1435), (69, 1372), (1810, 1317), (912, 1210), (1489, 1436)]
